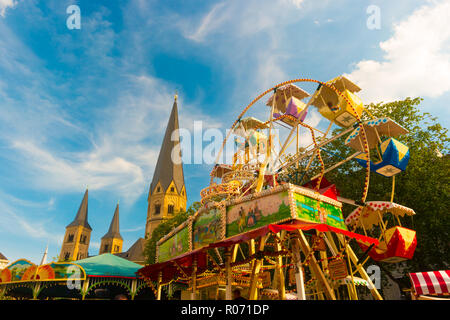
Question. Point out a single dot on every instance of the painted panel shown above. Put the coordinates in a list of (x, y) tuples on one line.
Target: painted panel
[(246, 216), (317, 211), (15, 271), (55, 271), (207, 228), (22, 270), (174, 246)]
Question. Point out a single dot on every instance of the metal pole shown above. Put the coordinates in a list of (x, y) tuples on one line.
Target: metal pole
[(228, 273), (194, 279), (299, 280), (158, 295)]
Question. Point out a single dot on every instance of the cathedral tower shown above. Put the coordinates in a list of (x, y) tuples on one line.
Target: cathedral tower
[(78, 235), (167, 194), (112, 241)]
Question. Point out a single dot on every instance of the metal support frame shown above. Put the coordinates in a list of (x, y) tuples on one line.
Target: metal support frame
[(256, 268), (315, 268)]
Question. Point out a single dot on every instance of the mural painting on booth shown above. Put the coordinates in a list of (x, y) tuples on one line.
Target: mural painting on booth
[(206, 228), (317, 211), (257, 213), (174, 246)]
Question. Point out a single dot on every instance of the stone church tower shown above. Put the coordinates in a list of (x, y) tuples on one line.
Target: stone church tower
[(112, 241), (78, 234), (167, 194)]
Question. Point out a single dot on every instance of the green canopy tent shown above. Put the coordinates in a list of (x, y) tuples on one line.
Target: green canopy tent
[(109, 265)]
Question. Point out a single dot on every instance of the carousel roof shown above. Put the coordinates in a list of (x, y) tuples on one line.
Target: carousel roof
[(109, 265), (2, 257)]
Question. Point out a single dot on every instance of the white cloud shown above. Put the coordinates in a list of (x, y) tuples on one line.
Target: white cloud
[(5, 4), (238, 18), (48, 205), (416, 60), (116, 151), (297, 3), (210, 23), (16, 222), (124, 147), (133, 229)]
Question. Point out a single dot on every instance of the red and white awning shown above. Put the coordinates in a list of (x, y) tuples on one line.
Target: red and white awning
[(432, 282)]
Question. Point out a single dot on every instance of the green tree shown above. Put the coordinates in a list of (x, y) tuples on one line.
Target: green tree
[(424, 186), (164, 228)]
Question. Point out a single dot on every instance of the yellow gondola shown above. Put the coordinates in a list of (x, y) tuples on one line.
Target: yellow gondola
[(341, 109)]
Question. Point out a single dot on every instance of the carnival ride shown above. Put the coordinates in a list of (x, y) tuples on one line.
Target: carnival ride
[(72, 280), (279, 240)]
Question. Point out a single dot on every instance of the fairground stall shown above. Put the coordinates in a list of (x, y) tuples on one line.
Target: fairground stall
[(273, 239)]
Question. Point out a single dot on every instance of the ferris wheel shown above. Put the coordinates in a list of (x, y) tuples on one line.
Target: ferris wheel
[(268, 148), (254, 207)]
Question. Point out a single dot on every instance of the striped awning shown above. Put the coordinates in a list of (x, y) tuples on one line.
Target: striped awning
[(432, 282)]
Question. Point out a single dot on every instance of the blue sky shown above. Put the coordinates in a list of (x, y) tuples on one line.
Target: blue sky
[(89, 107)]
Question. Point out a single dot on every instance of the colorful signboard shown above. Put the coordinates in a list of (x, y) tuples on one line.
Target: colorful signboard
[(206, 228), (174, 246), (249, 215)]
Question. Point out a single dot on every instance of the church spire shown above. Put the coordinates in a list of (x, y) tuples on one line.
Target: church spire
[(112, 241), (82, 214), (78, 234), (167, 194), (114, 230), (166, 170)]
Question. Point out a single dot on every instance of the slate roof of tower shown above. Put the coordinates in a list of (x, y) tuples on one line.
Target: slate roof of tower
[(82, 214), (166, 170), (114, 229)]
